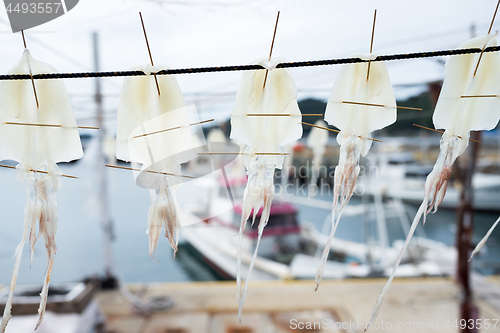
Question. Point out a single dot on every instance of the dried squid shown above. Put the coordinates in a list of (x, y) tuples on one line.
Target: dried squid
[(153, 130), (263, 134), (356, 122), (317, 140), (458, 115), (37, 148)]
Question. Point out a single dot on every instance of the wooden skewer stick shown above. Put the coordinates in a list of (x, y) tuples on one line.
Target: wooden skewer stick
[(150, 171), (283, 114), (489, 30), (367, 104), (47, 125), (88, 127), (31, 74), (173, 128), (45, 172), (268, 114), (408, 108), (371, 44), (149, 51), (381, 105), (243, 154), (434, 130), (473, 96), (325, 128), (336, 131), (272, 45)]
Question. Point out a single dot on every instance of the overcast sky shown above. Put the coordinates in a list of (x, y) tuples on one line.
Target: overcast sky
[(198, 33)]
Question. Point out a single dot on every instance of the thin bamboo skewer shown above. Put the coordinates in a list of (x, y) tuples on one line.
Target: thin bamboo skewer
[(283, 114), (243, 154), (31, 74), (473, 96), (173, 128), (268, 115), (150, 171), (48, 125), (381, 105), (45, 172), (149, 51), (434, 130), (272, 45), (336, 131), (371, 44), (367, 104), (489, 30), (408, 108)]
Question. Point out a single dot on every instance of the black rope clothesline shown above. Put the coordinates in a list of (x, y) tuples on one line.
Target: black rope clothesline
[(251, 67)]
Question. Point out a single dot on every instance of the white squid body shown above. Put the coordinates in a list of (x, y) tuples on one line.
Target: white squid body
[(355, 123), (37, 148), (317, 140), (458, 116), (142, 111), (263, 134)]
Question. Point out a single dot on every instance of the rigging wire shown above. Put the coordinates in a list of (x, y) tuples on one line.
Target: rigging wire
[(60, 54), (297, 64)]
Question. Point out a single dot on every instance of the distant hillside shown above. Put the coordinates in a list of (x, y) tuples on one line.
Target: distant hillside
[(403, 125), (405, 120), (311, 106)]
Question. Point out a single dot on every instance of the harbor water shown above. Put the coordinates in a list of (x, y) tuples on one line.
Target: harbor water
[(80, 237)]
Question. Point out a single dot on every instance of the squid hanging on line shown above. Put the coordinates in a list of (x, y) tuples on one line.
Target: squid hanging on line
[(317, 140), (263, 134), (37, 148), (154, 130), (359, 104), (469, 101)]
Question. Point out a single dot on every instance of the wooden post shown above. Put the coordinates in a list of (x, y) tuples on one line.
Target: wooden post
[(465, 222)]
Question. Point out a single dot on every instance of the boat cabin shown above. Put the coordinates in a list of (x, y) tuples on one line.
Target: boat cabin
[(280, 238)]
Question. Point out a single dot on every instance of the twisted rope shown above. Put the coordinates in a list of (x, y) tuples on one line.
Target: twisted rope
[(340, 61)]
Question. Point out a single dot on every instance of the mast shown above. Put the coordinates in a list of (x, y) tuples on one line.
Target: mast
[(106, 222)]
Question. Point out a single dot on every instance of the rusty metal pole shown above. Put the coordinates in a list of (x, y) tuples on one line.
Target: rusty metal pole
[(465, 222)]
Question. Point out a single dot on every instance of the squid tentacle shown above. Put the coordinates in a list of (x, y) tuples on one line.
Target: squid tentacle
[(346, 174), (28, 220), (41, 208), (480, 245), (162, 213), (381, 297), (48, 226), (259, 192), (434, 191), (326, 250)]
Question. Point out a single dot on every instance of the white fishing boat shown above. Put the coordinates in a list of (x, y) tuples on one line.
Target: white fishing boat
[(290, 250), (400, 177)]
